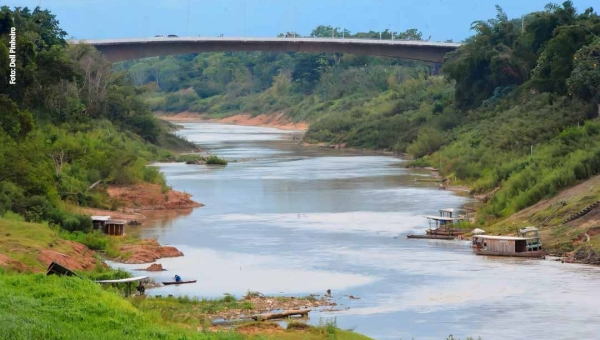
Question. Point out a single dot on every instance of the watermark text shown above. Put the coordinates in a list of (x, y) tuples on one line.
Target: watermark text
[(12, 56)]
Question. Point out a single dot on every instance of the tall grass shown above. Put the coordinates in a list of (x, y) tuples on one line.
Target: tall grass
[(51, 307)]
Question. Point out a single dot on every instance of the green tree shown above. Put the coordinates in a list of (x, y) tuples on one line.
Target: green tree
[(584, 81)]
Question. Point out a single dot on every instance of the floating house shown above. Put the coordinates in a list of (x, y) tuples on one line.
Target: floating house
[(447, 224), (452, 212), (114, 227), (477, 242), (444, 227), (527, 244)]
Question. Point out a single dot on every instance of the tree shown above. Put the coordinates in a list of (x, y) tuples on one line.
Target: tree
[(138, 74), (584, 81), (328, 31), (161, 70), (94, 80), (282, 82), (555, 64), (410, 34)]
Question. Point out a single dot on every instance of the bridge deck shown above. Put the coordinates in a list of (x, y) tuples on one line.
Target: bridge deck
[(136, 48)]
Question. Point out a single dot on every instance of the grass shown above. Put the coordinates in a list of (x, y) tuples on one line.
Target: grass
[(298, 330), (215, 160), (22, 241), (196, 159), (51, 307), (189, 310), (549, 214), (109, 246), (35, 306)]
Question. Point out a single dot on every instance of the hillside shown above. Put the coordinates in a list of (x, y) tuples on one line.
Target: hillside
[(562, 228), (31, 247), (71, 127)]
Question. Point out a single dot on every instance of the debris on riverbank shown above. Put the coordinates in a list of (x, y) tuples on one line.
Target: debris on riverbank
[(229, 310)]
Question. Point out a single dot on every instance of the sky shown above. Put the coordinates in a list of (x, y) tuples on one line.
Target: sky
[(438, 19)]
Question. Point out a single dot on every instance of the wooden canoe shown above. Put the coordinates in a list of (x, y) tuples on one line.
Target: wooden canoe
[(178, 283), (432, 237), (531, 254), (447, 232)]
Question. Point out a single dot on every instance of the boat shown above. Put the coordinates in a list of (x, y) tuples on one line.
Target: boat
[(527, 244), (178, 283), (443, 227), (446, 224), (447, 232), (432, 237), (540, 254)]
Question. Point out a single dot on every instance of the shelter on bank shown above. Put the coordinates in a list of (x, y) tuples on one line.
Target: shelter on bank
[(99, 222), (108, 225), (115, 227)]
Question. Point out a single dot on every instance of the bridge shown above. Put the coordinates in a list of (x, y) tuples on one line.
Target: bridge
[(116, 50)]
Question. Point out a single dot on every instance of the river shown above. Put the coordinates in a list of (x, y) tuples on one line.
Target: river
[(290, 220)]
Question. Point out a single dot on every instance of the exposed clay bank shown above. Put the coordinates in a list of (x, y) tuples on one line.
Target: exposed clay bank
[(289, 220)]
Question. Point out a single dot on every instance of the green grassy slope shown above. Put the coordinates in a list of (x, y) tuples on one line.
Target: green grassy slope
[(35, 306), (42, 307)]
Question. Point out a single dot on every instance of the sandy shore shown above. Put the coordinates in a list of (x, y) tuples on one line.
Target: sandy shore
[(275, 120)]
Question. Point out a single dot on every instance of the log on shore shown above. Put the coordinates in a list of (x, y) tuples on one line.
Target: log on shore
[(282, 315)]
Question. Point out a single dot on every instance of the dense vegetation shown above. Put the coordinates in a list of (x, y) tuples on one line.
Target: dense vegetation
[(303, 84), (69, 125), (514, 109), (529, 89)]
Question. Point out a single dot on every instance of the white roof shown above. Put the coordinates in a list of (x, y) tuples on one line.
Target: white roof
[(129, 279), (524, 230), (478, 231), (507, 238), (452, 209), (100, 218), (439, 218)]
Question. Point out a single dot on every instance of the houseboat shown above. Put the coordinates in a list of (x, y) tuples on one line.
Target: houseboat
[(527, 244), (444, 227), (447, 224), (477, 242)]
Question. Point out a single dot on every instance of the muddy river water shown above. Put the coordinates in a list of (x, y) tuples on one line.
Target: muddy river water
[(290, 220)]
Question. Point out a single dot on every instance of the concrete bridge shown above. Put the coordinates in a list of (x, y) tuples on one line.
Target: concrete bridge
[(116, 50)]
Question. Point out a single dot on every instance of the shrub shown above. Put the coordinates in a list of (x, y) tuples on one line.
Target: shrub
[(215, 160)]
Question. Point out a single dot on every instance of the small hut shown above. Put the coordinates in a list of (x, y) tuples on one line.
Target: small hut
[(114, 227), (99, 222)]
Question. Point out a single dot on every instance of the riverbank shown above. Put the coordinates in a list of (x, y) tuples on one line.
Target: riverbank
[(229, 310), (274, 120), (104, 314), (136, 201), (569, 222), (31, 247)]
